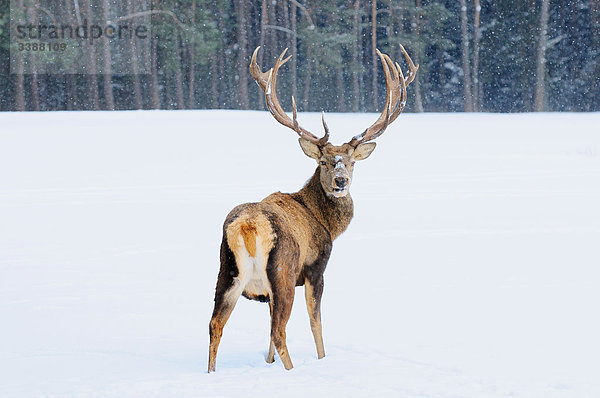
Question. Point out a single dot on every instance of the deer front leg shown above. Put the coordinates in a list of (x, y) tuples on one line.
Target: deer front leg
[(313, 292), (283, 299)]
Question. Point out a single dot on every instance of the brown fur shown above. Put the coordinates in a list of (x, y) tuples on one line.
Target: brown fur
[(293, 233), (248, 232)]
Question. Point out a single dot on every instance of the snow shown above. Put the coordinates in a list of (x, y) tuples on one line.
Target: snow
[(360, 136), (470, 268)]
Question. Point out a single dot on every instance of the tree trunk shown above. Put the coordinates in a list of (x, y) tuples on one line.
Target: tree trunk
[(107, 70), (33, 76), (465, 57), (178, 76), (286, 21), (135, 70), (307, 78), (595, 16), (218, 67), (477, 96), (527, 74), (540, 70), (264, 20), (191, 77), (72, 102), (373, 51), (20, 77), (294, 60), (274, 44), (191, 56), (240, 12), (214, 82), (151, 53), (71, 82), (442, 71), (20, 86), (417, 25), (91, 66), (356, 57), (168, 90), (154, 79), (34, 88), (339, 83)]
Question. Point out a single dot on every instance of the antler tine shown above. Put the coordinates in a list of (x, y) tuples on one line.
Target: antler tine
[(294, 114), (268, 83), (325, 138), (260, 77), (396, 96), (412, 69)]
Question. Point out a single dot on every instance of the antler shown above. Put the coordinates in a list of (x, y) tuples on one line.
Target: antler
[(395, 99), (268, 83)]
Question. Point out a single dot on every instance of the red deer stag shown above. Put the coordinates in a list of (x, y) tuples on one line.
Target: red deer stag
[(270, 247)]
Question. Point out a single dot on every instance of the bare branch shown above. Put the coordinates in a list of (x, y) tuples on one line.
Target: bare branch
[(149, 12), (303, 8), (282, 29)]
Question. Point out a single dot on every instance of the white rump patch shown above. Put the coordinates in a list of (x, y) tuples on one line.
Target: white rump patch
[(252, 278)]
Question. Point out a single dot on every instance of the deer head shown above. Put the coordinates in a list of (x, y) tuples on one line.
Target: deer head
[(336, 163)]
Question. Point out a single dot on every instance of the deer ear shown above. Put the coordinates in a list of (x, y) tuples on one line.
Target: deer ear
[(310, 148), (363, 151)]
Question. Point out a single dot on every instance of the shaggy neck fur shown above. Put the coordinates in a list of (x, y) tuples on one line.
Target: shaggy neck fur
[(333, 213)]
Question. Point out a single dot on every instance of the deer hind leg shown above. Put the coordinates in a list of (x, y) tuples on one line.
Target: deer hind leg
[(271, 355), (229, 288), (283, 299), (313, 292), (223, 307)]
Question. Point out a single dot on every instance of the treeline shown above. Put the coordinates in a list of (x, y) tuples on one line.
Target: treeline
[(475, 55)]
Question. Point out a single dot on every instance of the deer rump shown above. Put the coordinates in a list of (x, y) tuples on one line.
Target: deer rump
[(259, 248), (250, 238)]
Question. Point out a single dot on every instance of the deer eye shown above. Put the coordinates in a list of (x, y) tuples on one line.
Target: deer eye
[(323, 163)]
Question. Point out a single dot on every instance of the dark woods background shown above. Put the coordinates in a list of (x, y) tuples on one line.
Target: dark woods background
[(475, 55)]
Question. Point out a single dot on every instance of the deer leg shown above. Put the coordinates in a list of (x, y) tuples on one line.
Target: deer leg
[(223, 308), (313, 292), (224, 304), (271, 355), (282, 308)]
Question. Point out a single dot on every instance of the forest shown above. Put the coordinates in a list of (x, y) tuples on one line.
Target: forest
[(480, 55)]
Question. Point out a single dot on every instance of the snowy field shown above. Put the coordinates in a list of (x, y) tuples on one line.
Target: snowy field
[(471, 269)]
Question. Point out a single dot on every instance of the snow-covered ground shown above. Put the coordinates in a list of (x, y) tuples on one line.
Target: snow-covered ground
[(471, 269)]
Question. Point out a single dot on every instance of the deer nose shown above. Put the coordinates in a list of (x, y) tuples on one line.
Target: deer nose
[(341, 182)]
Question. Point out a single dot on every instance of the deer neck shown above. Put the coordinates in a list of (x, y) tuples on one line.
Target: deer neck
[(333, 213)]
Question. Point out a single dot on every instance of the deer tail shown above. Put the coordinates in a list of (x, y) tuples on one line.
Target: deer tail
[(253, 233)]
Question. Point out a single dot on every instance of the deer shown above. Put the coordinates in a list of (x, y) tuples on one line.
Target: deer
[(270, 247)]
